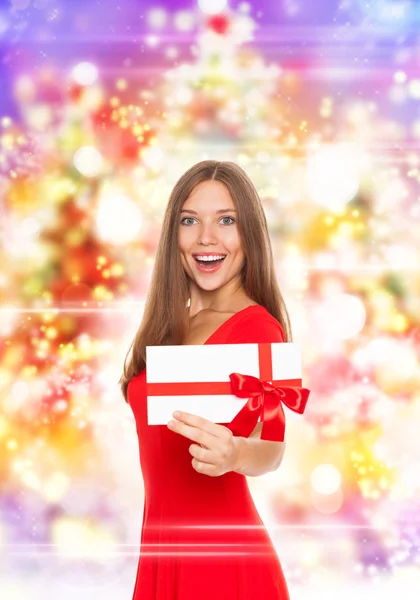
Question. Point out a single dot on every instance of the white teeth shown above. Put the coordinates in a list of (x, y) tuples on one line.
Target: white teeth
[(208, 258)]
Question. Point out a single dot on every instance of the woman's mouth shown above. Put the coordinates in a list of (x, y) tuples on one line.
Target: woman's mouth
[(209, 266)]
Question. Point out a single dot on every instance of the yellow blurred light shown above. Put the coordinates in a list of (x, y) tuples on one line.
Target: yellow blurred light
[(6, 122), (7, 141), (121, 84), (18, 465), (55, 487), (58, 188), (100, 292), (47, 316), (29, 371), (115, 101), (31, 480), (72, 536), (123, 124), (365, 485), (51, 333), (44, 344), (4, 426), (12, 444), (399, 323), (117, 270), (383, 483), (326, 107), (346, 228), (74, 237)]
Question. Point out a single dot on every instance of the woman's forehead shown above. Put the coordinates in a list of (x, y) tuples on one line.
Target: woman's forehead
[(208, 197)]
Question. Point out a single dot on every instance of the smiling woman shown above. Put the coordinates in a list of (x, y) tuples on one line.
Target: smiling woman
[(213, 283)]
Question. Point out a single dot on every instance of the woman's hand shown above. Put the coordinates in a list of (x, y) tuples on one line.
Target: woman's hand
[(216, 450)]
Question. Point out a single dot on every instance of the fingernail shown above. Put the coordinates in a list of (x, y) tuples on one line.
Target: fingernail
[(177, 414)]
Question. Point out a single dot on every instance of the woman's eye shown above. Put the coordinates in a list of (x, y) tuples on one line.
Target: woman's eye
[(185, 219), (233, 220)]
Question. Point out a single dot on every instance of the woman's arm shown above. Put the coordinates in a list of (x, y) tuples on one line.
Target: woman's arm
[(256, 456)]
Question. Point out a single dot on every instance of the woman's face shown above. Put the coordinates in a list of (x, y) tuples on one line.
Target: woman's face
[(208, 227)]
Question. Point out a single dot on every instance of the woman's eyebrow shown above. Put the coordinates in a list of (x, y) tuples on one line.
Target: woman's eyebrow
[(218, 212)]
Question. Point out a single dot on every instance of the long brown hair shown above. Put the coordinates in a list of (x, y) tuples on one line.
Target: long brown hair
[(165, 316)]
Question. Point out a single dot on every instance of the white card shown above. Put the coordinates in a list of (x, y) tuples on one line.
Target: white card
[(212, 363)]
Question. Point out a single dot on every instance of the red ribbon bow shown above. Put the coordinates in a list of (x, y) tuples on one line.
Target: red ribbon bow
[(266, 397)]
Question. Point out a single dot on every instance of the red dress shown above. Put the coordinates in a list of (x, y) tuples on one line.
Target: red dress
[(202, 537)]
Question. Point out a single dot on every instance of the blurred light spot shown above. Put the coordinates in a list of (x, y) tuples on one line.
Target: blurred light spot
[(183, 20), (332, 176), (414, 88), (118, 219), (88, 161), (152, 40), (326, 479), (153, 157), (341, 317), (212, 7), (157, 18), (85, 73), (400, 77), (55, 487)]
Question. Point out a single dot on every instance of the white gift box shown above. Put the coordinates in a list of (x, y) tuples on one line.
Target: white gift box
[(197, 379)]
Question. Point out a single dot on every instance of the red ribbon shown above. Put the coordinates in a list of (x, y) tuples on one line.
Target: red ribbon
[(265, 396)]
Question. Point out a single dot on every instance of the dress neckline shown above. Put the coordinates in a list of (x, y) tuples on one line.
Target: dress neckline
[(231, 318)]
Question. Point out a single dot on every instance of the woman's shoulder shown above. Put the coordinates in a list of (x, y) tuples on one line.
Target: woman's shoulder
[(255, 324)]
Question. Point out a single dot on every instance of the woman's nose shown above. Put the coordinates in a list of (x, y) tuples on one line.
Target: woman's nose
[(207, 233)]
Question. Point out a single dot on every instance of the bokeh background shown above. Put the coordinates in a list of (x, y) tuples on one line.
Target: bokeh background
[(103, 105)]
